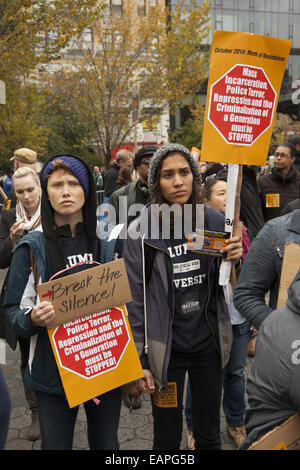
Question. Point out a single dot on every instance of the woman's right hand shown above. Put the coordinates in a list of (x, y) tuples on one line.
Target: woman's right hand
[(42, 314), (144, 385), (16, 232)]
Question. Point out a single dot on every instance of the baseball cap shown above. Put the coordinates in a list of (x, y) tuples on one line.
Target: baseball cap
[(25, 155)]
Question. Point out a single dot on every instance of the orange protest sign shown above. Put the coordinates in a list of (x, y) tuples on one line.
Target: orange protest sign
[(245, 76), (95, 354)]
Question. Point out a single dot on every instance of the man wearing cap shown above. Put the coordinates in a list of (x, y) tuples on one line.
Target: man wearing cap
[(136, 192), (21, 157)]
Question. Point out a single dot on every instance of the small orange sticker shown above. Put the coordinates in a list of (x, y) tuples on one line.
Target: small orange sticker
[(166, 398), (272, 200)]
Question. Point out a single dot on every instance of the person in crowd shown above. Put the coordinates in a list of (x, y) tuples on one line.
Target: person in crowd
[(136, 192), (274, 381), (68, 209), (261, 270), (98, 178), (250, 203), (295, 140), (214, 193), (282, 185), (5, 410), (125, 177), (124, 158), (178, 314), (15, 223), (212, 170), (21, 157), (7, 182), (291, 206), (251, 215)]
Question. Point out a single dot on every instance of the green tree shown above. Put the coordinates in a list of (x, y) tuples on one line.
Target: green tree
[(190, 135)]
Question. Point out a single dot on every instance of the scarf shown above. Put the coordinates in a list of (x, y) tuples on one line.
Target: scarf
[(34, 223)]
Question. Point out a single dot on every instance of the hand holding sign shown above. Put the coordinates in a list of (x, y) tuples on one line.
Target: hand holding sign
[(43, 314)]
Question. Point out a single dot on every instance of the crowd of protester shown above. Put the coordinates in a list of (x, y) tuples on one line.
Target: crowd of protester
[(185, 330)]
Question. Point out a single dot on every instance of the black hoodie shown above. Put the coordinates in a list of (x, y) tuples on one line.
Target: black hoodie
[(59, 243)]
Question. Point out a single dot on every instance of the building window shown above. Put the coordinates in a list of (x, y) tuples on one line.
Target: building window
[(87, 38), (251, 28), (251, 4), (291, 28), (116, 6), (151, 122), (291, 5), (141, 4)]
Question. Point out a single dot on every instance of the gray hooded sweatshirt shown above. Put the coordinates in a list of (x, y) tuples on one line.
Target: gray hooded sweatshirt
[(273, 385)]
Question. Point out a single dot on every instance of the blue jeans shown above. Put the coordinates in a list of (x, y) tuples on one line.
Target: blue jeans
[(205, 377), (234, 380), (5, 410), (57, 421)]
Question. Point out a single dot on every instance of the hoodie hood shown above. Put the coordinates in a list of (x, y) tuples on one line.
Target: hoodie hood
[(85, 176), (293, 301)]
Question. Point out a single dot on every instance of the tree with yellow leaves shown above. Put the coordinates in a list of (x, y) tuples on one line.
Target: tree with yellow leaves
[(33, 32), (136, 65)]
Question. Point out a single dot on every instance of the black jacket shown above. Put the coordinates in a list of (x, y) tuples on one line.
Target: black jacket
[(110, 179), (250, 212), (276, 191)]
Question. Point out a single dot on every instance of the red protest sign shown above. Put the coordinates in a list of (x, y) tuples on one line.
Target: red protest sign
[(92, 345), (95, 354), (242, 104)]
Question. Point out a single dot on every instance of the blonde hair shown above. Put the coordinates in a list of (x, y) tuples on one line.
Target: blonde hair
[(25, 171)]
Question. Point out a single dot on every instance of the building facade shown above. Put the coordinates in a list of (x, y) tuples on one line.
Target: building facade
[(274, 18)]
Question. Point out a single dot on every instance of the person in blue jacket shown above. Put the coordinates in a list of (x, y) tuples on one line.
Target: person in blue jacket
[(68, 212)]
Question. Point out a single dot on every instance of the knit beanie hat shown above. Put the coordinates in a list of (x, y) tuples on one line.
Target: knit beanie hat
[(75, 166), (163, 152), (51, 232)]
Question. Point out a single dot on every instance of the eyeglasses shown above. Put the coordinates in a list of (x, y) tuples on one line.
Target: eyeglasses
[(281, 155)]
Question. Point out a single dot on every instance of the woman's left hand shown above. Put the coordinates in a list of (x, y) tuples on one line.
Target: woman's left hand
[(234, 248)]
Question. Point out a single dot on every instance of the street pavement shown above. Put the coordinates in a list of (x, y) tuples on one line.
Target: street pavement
[(135, 430)]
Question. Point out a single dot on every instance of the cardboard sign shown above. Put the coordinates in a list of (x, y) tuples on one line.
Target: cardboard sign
[(95, 354), (87, 292), (283, 437), (290, 267), (245, 76)]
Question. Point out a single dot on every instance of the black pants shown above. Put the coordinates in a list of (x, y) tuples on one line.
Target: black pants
[(205, 376)]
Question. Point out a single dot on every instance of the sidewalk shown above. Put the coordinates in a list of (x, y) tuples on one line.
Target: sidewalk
[(135, 431)]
